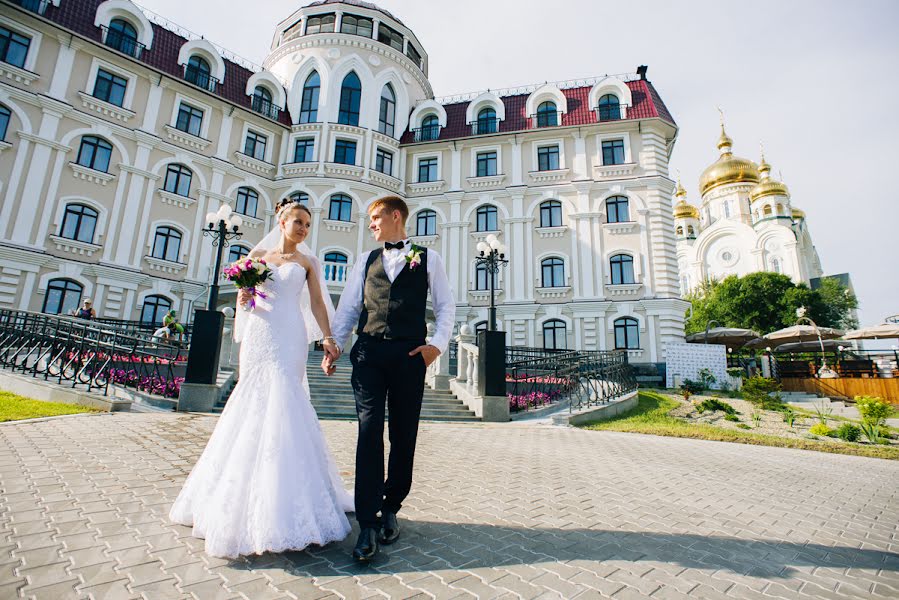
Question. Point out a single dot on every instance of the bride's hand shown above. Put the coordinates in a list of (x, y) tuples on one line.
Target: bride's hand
[(243, 297), (332, 349)]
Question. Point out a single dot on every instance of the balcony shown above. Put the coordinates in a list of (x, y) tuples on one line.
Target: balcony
[(200, 78), (426, 134), (484, 126), (611, 112), (125, 44), (266, 108), (35, 6), (545, 119), (336, 273)]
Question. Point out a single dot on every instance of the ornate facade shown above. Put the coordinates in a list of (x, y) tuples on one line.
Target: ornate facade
[(122, 131)]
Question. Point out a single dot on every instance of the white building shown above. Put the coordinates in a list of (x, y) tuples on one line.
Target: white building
[(746, 224), (121, 131)]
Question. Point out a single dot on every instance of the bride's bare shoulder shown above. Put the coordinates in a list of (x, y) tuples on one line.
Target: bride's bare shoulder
[(258, 253)]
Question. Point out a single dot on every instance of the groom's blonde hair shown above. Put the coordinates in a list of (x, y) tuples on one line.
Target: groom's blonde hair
[(390, 204)]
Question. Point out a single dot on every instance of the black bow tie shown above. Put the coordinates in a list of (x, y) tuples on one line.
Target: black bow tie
[(397, 246)]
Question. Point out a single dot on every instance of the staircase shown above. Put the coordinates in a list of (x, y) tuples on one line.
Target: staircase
[(332, 396), (808, 401)]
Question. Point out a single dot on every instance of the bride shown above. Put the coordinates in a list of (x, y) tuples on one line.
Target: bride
[(266, 481)]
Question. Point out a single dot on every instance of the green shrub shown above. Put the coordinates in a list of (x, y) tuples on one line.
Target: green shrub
[(871, 432), (742, 425), (823, 412), (732, 417), (763, 392), (706, 378), (848, 432), (820, 429), (789, 416), (689, 387), (713, 404), (757, 418), (873, 409), (736, 371)]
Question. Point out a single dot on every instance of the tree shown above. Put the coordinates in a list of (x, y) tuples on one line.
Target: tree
[(835, 304)]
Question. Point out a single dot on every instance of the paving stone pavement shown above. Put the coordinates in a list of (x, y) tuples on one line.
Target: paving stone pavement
[(497, 511)]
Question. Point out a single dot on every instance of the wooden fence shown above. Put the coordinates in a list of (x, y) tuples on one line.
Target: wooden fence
[(845, 387)]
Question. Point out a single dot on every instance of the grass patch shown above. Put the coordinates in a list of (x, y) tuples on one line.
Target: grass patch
[(651, 416), (15, 408)]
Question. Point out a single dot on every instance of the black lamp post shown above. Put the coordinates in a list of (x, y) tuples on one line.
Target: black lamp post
[(222, 227), (492, 257), (491, 343)]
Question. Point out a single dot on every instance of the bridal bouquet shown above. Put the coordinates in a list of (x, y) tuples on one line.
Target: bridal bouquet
[(246, 274)]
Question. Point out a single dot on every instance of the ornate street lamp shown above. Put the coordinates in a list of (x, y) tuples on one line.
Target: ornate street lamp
[(222, 227), (824, 372), (492, 257)]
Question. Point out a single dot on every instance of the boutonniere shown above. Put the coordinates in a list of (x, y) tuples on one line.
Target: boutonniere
[(413, 258)]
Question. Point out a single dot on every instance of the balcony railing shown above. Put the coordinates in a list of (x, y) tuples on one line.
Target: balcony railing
[(484, 126), (612, 112), (427, 134), (547, 119), (336, 272), (200, 78), (125, 44), (36, 6), (266, 108)]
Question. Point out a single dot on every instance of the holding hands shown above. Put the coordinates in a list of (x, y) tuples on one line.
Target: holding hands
[(332, 353)]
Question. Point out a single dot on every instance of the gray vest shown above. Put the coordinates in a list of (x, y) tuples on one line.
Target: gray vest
[(394, 310)]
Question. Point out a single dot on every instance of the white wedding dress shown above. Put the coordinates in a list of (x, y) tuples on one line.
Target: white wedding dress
[(266, 481)]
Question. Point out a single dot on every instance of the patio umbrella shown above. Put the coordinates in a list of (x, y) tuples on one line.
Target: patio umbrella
[(809, 346), (795, 333), (728, 336), (882, 331)]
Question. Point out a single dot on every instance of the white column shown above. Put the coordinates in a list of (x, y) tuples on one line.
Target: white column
[(27, 290), (456, 170), (12, 188), (363, 227), (111, 224), (224, 137), (653, 346), (62, 71), (579, 163), (517, 176), (49, 207), (316, 225), (151, 113)]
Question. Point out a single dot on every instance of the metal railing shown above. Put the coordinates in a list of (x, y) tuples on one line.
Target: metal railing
[(200, 78), (87, 354), (143, 328), (530, 88), (125, 44), (426, 134), (613, 112), (484, 126), (546, 119), (36, 6), (266, 108)]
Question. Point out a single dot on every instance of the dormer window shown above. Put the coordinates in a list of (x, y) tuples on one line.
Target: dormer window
[(198, 72), (609, 108), (487, 121), (547, 115), (263, 104), (430, 129), (122, 36)]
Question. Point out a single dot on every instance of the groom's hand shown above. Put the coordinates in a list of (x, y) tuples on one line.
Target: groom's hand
[(328, 365), (428, 352)]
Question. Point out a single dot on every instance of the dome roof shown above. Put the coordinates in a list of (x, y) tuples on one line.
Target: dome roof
[(728, 168), (767, 186), (683, 209), (798, 213)]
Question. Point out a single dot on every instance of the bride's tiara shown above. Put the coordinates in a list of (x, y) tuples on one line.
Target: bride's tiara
[(287, 204)]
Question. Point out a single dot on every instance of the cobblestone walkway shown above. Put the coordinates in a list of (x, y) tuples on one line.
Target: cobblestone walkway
[(505, 511)]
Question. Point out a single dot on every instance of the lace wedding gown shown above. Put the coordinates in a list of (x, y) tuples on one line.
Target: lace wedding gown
[(266, 481)]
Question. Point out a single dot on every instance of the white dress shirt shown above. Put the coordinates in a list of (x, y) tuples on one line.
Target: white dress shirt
[(350, 306)]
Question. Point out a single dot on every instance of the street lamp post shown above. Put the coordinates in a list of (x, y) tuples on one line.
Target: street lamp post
[(491, 343), (492, 257), (222, 227), (824, 372)]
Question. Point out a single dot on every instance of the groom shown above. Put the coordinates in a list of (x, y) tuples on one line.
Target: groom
[(385, 300)]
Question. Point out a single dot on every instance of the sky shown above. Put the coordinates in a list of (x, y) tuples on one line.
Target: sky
[(815, 81)]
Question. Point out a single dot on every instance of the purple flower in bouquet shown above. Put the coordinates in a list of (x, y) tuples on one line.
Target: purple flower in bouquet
[(247, 274)]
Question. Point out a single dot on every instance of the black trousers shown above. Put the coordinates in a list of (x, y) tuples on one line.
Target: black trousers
[(385, 374)]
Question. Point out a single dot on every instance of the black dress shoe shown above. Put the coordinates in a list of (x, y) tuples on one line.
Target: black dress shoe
[(390, 529), (367, 545)]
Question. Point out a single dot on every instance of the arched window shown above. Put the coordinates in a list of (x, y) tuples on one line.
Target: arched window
[(553, 270), (776, 265), (5, 115), (301, 197), (609, 109), (336, 257), (167, 244), (551, 214), (482, 278), (617, 210), (387, 115), (262, 102), (350, 99), (554, 335), (487, 121), (627, 334), (198, 71), (547, 115), (486, 218), (154, 309), (237, 252), (79, 223), (309, 103), (766, 211), (430, 128), (247, 201), (679, 230), (341, 208), (122, 36), (726, 209), (94, 153), (336, 266), (690, 231), (622, 267), (177, 179), (63, 296), (426, 222)]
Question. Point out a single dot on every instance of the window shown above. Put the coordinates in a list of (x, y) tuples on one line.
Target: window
[(554, 335), (341, 208), (94, 153), (122, 36), (551, 214), (486, 218), (79, 223), (487, 121), (430, 129), (167, 243), (5, 115), (237, 252), (413, 54), (391, 37), (336, 257), (177, 180), (110, 88), (553, 270), (345, 152), (384, 161), (301, 197), (63, 296), (198, 72), (613, 152), (609, 109), (482, 278), (547, 115), (627, 335), (548, 158), (190, 119), (486, 164), (387, 116), (766, 210), (617, 210), (13, 47), (726, 209), (320, 24), (426, 223), (154, 309), (690, 230), (263, 104), (354, 25), (303, 150), (309, 103), (336, 266), (254, 145), (775, 265), (247, 201), (679, 230), (350, 98), (622, 266), (427, 170)]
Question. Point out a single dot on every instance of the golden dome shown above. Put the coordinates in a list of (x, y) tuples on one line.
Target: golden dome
[(798, 213), (679, 191), (767, 186), (683, 210), (728, 168)]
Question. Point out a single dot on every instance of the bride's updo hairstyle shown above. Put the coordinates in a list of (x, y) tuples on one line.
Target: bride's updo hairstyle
[(289, 204)]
